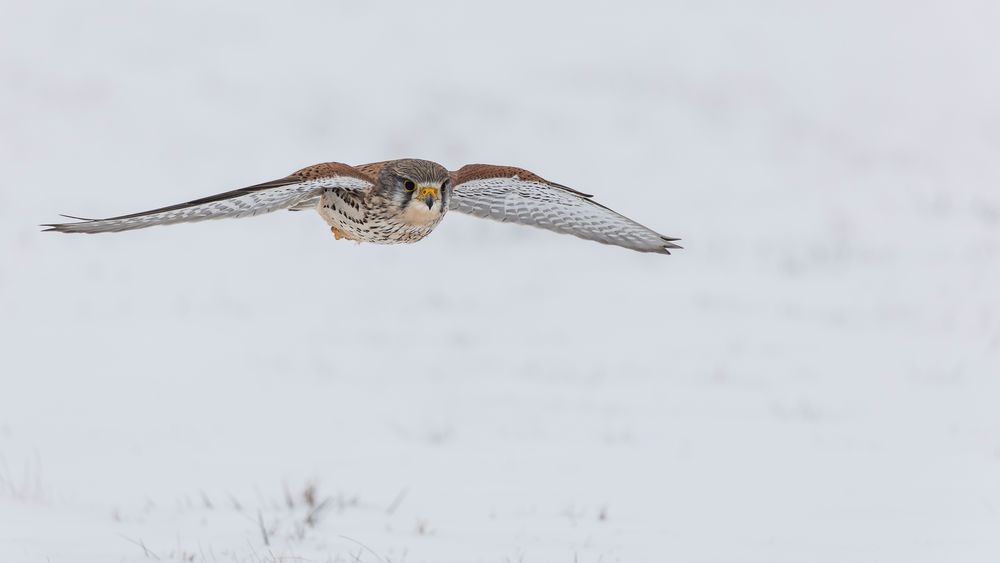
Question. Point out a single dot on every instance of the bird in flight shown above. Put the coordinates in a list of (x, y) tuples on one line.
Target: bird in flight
[(401, 201)]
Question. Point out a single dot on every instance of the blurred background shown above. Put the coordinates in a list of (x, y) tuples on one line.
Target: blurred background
[(814, 378)]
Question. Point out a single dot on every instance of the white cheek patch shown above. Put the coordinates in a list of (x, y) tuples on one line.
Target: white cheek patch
[(417, 213)]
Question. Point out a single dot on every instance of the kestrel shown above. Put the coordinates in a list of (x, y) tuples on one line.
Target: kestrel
[(400, 201)]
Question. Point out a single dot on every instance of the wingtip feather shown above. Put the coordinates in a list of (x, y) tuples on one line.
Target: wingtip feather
[(668, 243), (66, 227)]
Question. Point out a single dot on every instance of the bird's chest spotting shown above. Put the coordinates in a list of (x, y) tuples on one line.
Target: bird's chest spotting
[(372, 220)]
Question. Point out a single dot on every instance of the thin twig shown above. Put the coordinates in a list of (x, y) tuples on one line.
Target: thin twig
[(397, 501), (366, 548), (139, 543), (263, 530)]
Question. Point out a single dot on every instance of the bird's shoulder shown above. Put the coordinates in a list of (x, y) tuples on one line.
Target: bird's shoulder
[(471, 172), (332, 170), (474, 172)]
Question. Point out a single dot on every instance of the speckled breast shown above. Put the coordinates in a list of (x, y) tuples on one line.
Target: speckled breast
[(368, 221)]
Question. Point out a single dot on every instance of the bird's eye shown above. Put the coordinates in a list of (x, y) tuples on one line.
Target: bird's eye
[(409, 185)]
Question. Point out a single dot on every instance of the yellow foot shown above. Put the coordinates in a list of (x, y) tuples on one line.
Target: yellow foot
[(337, 234)]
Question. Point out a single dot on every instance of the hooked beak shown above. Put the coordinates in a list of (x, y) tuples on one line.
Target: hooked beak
[(429, 195)]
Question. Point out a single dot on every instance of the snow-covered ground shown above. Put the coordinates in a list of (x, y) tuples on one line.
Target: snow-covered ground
[(815, 378)]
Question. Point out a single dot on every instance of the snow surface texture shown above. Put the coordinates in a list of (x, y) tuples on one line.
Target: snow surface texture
[(815, 378)]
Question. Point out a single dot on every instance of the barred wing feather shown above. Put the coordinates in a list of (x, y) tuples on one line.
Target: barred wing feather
[(307, 184), (513, 195)]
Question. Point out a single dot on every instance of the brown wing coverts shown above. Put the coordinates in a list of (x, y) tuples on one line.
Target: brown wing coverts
[(331, 170), (471, 172)]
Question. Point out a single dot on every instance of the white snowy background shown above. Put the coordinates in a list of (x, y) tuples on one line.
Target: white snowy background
[(816, 377)]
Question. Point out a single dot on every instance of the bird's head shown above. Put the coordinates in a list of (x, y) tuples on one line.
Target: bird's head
[(420, 189)]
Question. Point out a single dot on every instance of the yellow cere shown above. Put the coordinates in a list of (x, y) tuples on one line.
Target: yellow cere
[(428, 191)]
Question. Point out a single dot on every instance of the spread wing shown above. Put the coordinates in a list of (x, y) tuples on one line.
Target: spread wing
[(306, 184), (508, 194)]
